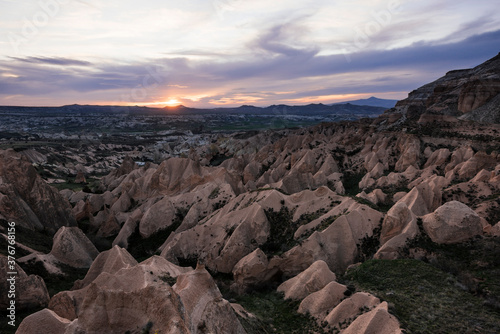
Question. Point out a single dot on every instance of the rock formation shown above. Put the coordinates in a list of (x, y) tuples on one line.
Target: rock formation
[(452, 222), (27, 200), (30, 291)]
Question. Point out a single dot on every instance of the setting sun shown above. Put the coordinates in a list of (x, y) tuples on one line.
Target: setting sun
[(172, 102)]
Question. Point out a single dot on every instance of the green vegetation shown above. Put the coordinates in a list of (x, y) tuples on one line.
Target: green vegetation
[(214, 194), (275, 315), (142, 248), (424, 298), (168, 279), (282, 229), (370, 244), (351, 183), (321, 227), (90, 187)]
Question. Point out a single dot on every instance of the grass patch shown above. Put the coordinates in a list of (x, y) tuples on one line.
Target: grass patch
[(475, 264), (424, 298), (90, 187), (282, 229), (275, 315)]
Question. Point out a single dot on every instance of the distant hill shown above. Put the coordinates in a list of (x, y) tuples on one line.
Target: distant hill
[(372, 102), (281, 109)]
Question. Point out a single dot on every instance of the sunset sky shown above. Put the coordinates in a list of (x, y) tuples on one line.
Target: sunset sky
[(213, 53)]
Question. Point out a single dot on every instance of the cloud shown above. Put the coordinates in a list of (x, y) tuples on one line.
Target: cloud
[(273, 63), (53, 61)]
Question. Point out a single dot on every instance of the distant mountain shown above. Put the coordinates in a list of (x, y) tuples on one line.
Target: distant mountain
[(373, 102), (281, 109)]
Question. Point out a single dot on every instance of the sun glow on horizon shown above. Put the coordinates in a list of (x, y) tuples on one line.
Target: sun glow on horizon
[(172, 102)]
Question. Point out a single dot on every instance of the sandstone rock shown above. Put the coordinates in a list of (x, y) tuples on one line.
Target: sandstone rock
[(479, 161), (78, 196), (96, 202), (451, 223), (319, 304), (66, 304), (159, 216), (399, 226), (253, 231), (459, 156), (313, 279), (160, 267), (438, 158), (47, 261), (127, 166), (476, 93), (377, 196), (252, 271), (410, 156), (376, 321), (494, 230), (122, 204), (308, 201), (27, 199), (251, 171), (228, 235), (457, 92), (128, 229), (72, 247), (108, 262), (80, 178), (43, 322), (395, 221), (350, 308), (392, 180), (82, 210), (424, 198), (397, 196), (109, 227), (31, 291), (128, 300), (206, 310), (66, 193), (482, 176), (337, 244)]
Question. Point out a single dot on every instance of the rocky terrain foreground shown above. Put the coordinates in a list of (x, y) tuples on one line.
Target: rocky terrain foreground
[(378, 226)]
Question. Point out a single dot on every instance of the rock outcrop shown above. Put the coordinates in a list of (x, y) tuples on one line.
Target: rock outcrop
[(313, 279), (399, 226), (26, 199), (30, 291), (459, 92), (451, 223), (205, 308), (72, 247), (42, 322), (139, 298)]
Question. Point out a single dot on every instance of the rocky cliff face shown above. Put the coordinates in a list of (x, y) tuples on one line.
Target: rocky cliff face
[(469, 92)]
